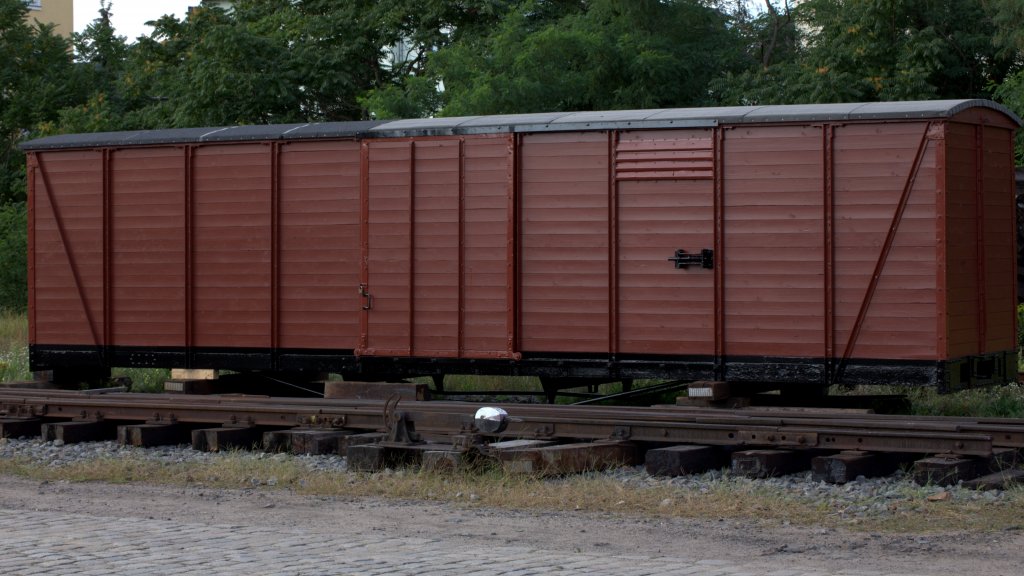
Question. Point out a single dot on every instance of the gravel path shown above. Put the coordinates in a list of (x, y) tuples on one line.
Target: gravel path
[(708, 546)]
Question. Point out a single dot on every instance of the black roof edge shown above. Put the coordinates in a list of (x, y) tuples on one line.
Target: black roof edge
[(247, 133)]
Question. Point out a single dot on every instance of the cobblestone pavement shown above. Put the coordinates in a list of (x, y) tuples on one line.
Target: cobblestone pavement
[(62, 543)]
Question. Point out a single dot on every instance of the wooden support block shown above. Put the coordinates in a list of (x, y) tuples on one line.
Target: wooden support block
[(366, 458), (193, 374), (944, 470), (217, 439), (316, 441), (144, 435), (338, 389), (374, 457), (682, 460), (568, 458), (709, 390), (847, 466), (277, 440), (75, 432), (307, 441), (445, 460), (18, 427), (358, 440), (1002, 459), (996, 481), (768, 463), (185, 386)]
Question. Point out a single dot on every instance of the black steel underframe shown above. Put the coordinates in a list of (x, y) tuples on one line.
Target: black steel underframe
[(949, 374)]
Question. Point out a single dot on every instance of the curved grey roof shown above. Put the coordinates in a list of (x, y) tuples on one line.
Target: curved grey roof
[(543, 122)]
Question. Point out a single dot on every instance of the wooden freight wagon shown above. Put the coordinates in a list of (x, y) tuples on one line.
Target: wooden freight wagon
[(817, 244)]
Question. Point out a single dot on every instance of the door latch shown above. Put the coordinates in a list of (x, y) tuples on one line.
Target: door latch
[(706, 259), (365, 293)]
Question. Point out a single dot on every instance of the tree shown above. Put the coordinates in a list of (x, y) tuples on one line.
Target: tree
[(37, 80), (414, 30), (100, 56), (572, 55), (867, 50), (1009, 37), (267, 61)]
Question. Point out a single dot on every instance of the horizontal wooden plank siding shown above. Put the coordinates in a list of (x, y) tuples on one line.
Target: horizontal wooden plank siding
[(231, 241), (662, 309), (389, 251), (999, 218), (774, 241), (961, 239), (147, 241), (68, 239), (319, 254), (487, 272), (564, 274), (436, 250)]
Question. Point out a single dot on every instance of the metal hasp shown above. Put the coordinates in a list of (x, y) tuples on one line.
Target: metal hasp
[(364, 292), (706, 259)]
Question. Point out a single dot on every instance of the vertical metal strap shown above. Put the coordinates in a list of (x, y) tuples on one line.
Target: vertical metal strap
[(514, 251), (364, 243), (31, 174), (108, 230), (718, 229), (275, 250), (461, 215), (412, 248), (189, 255), (979, 244), (828, 160), (613, 246)]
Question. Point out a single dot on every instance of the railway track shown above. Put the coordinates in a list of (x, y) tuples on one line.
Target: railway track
[(837, 444)]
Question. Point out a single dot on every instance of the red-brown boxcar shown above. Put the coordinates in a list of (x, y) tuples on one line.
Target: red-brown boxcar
[(808, 244)]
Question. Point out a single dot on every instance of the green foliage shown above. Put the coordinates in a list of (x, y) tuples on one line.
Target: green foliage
[(1020, 332), (13, 261), (604, 54), (14, 346), (856, 50), (1011, 93), (268, 61), (37, 79)]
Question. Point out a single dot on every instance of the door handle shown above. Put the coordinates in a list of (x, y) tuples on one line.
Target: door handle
[(706, 259), (365, 293)]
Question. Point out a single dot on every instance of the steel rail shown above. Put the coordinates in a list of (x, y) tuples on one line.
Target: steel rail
[(666, 425)]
